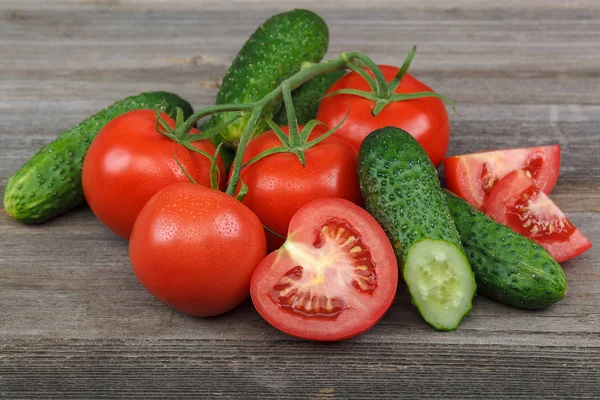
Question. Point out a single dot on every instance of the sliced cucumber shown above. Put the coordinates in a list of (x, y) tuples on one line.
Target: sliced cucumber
[(440, 282), (402, 192)]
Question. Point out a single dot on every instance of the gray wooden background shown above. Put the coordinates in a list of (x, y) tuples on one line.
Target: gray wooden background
[(75, 322)]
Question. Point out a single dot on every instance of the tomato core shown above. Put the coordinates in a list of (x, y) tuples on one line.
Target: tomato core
[(337, 259)]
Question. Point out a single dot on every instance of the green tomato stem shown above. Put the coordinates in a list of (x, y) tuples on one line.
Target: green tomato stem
[(394, 83), (382, 85), (215, 173), (293, 134), (244, 140)]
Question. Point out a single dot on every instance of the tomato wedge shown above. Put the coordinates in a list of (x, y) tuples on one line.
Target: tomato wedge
[(473, 176), (517, 203), (334, 277)]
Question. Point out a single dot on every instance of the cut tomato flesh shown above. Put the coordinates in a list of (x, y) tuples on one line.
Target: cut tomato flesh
[(534, 215), (473, 176), (517, 203), (337, 262), (334, 277)]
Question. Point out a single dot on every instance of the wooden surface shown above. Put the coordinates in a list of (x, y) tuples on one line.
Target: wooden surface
[(75, 322)]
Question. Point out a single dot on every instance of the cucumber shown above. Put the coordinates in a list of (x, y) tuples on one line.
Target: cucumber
[(308, 97), (50, 182), (402, 191), (273, 53), (508, 266)]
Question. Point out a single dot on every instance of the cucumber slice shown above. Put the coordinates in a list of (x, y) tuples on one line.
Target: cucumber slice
[(402, 192), (440, 282)]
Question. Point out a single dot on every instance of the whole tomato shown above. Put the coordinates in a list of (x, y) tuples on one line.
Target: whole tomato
[(279, 185), (426, 119), (195, 249), (129, 161)]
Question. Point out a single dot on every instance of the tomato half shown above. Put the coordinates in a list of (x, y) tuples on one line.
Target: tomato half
[(129, 161), (426, 119), (334, 278), (472, 176), (195, 249), (278, 185), (517, 203)]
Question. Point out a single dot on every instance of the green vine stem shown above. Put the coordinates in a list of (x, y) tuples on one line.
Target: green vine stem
[(382, 93)]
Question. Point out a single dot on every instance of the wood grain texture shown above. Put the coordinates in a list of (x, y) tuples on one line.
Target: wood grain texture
[(74, 321)]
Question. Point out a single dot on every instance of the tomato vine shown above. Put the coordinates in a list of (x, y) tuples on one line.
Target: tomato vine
[(382, 93)]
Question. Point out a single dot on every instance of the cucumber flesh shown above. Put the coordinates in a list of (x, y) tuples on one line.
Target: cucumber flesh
[(440, 282)]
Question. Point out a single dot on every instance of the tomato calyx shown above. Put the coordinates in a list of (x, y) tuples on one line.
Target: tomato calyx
[(186, 138), (383, 92), (296, 141)]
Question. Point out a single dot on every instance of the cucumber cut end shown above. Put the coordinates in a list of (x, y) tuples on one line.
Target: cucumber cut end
[(440, 281)]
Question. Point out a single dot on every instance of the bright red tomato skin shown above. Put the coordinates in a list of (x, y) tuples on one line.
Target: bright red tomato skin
[(363, 310), (512, 193), (426, 119), (278, 185), (128, 162), (195, 249), (465, 174)]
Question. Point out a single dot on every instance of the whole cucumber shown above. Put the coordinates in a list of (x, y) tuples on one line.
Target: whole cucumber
[(308, 97), (508, 267), (50, 182), (273, 53), (402, 191)]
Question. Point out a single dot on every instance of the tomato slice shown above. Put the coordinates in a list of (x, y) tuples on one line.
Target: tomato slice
[(334, 277), (473, 176), (517, 203)]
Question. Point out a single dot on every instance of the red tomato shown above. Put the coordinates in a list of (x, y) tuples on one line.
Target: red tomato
[(278, 185), (195, 249), (472, 176), (425, 119), (517, 203), (334, 277), (128, 162)]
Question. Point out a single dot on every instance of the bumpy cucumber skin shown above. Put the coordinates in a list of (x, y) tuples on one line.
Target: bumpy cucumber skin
[(508, 267), (402, 192), (50, 182), (308, 97), (273, 53)]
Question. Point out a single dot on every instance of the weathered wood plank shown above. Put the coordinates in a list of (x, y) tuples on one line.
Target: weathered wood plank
[(286, 369), (374, 5), (451, 42)]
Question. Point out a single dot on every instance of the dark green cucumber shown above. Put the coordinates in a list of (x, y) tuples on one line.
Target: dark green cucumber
[(50, 182), (274, 52), (508, 267), (402, 191), (308, 97)]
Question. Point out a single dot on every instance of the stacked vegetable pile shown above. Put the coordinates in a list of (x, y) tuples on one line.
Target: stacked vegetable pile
[(341, 201)]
